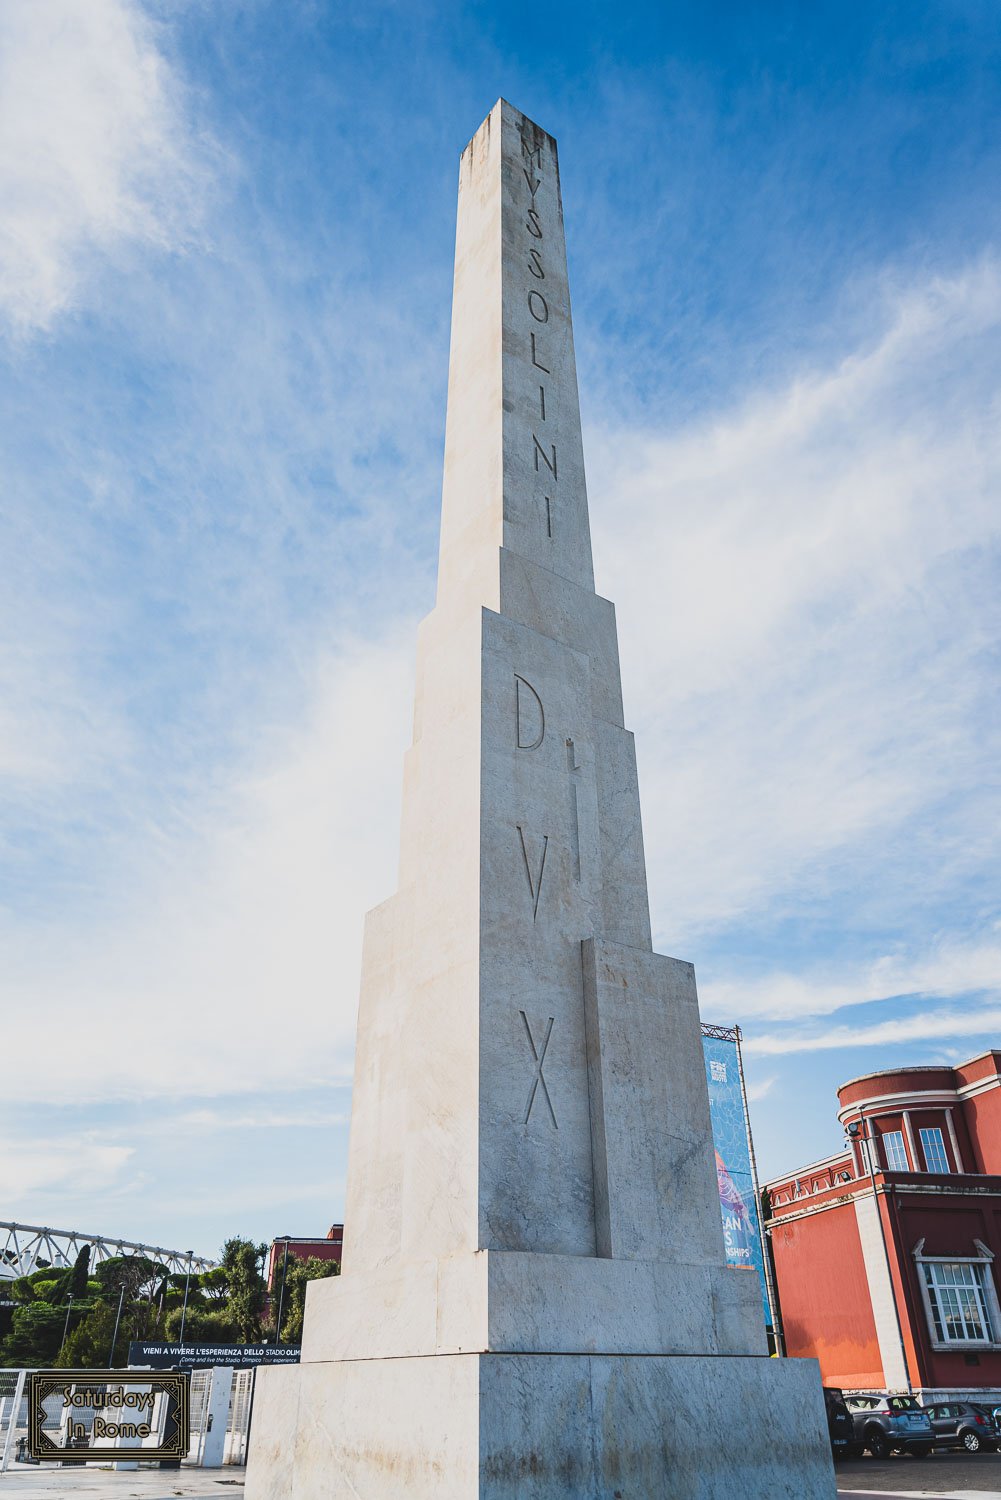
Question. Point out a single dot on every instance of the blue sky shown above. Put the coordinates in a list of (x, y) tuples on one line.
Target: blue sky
[(225, 264)]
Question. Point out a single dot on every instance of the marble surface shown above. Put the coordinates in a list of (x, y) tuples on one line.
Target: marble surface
[(550, 1427), (521, 1302)]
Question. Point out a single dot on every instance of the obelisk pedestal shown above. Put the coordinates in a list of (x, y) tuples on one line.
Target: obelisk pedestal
[(534, 1299)]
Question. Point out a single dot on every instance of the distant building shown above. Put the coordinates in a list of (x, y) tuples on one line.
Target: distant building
[(885, 1253), (328, 1248)]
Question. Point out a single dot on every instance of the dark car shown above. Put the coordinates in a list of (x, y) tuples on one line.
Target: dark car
[(963, 1424), (891, 1424), (844, 1443)]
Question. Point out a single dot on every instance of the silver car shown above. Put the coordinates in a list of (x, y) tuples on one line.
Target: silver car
[(891, 1424)]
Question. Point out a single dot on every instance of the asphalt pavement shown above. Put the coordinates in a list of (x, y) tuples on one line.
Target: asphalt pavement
[(48, 1482), (947, 1475), (943, 1476)]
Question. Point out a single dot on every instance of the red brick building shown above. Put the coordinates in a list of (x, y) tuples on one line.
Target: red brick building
[(884, 1254), (328, 1248)]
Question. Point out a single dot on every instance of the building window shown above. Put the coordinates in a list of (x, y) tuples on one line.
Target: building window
[(957, 1297), (896, 1151), (933, 1147)]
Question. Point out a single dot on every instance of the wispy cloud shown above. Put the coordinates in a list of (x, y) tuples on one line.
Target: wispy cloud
[(947, 969), (760, 1089), (936, 1025), (808, 612), (77, 1163), (98, 150), (234, 964)]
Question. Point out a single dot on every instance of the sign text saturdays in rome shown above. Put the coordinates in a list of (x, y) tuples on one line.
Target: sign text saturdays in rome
[(108, 1414)]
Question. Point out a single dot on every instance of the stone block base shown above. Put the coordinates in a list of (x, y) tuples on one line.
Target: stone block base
[(541, 1427)]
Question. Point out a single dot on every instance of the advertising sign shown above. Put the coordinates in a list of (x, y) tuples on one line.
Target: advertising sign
[(737, 1196), (161, 1356), (95, 1415)]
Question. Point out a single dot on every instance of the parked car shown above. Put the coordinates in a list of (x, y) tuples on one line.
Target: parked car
[(963, 1424), (844, 1443), (891, 1424)]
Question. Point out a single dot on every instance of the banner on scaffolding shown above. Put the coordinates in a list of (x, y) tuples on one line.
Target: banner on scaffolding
[(738, 1198)]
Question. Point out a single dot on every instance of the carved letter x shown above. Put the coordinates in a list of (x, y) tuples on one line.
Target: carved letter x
[(540, 1058)]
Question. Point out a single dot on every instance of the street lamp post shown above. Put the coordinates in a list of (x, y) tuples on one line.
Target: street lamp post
[(281, 1294), (184, 1304), (114, 1336), (66, 1325)]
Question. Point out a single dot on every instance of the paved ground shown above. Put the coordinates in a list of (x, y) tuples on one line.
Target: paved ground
[(28, 1482), (945, 1475)]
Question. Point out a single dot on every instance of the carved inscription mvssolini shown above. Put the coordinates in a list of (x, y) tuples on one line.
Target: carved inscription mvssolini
[(544, 456)]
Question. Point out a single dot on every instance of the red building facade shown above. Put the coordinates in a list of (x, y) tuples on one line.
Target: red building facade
[(329, 1248), (884, 1254)]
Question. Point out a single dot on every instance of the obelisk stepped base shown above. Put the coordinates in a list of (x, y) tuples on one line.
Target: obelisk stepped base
[(541, 1427)]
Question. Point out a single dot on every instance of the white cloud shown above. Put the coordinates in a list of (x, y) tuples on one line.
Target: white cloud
[(761, 1088), (807, 596), (235, 963), (264, 1119), (96, 149), (60, 1164), (948, 970), (937, 1025)]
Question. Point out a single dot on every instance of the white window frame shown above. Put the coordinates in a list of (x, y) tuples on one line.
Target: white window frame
[(934, 1130), (897, 1137), (990, 1296)]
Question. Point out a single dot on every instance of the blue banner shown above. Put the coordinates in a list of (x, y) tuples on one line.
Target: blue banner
[(738, 1203)]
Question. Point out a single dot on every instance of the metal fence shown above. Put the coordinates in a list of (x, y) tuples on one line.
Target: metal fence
[(221, 1401)]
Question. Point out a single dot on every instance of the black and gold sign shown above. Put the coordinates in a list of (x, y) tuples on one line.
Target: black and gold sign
[(109, 1414)]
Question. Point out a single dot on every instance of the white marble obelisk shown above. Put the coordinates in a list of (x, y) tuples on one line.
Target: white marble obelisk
[(534, 1299)]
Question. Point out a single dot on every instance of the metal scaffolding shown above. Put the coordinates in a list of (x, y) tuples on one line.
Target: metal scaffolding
[(32, 1247)]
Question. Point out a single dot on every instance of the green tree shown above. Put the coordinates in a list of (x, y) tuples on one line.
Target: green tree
[(35, 1335), (80, 1274), (88, 1345), (241, 1260), (202, 1325), (297, 1277), (133, 1272), (214, 1284)]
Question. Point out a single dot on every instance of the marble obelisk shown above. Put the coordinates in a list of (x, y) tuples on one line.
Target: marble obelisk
[(534, 1299)]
